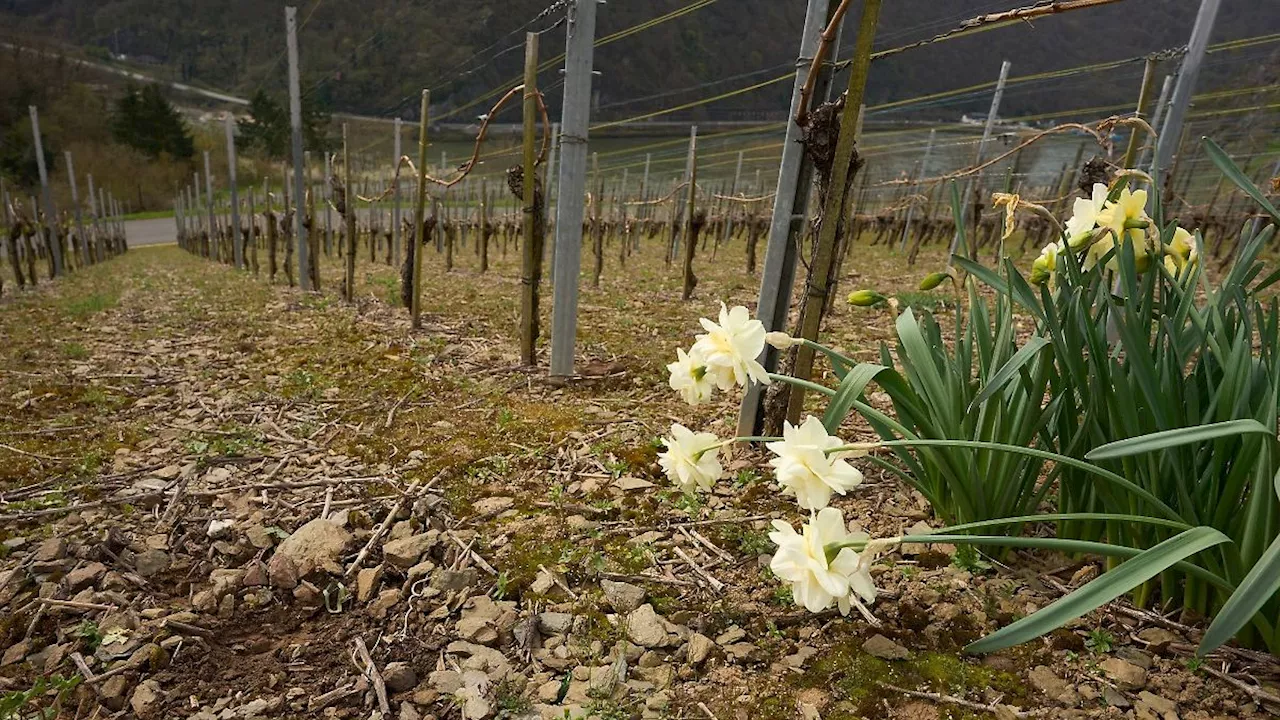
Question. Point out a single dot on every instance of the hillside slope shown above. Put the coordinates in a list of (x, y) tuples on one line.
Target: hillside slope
[(372, 56)]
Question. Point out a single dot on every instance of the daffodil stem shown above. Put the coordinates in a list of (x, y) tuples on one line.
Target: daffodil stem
[(730, 441), (802, 383), (754, 438), (828, 352)]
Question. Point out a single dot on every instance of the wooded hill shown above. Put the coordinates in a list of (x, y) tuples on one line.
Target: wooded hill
[(372, 56)]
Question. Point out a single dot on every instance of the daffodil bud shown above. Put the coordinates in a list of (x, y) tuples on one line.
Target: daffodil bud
[(933, 280), (1043, 267), (781, 340), (865, 298)]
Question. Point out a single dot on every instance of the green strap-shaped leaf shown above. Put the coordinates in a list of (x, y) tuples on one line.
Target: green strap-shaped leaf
[(1173, 438), (1237, 176), (1008, 371), (1104, 589), (1259, 586), (851, 387)]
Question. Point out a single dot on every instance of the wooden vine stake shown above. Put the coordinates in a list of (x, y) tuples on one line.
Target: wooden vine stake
[(349, 219), (532, 246), (833, 208), (419, 214), (691, 223)]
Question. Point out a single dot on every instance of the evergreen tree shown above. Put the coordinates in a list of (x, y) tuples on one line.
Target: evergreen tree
[(145, 120), (267, 129)]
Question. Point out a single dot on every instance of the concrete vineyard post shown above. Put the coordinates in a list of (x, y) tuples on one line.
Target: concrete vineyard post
[(549, 187), (691, 224), (1144, 99), (1170, 137), (833, 211), (50, 214), (777, 277), (295, 123), (82, 243), (349, 220), (395, 199), (214, 247), (1157, 115), (922, 173), (729, 207), (237, 240), (974, 193), (575, 117), (419, 214)]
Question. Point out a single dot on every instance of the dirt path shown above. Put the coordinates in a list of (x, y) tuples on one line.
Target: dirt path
[(215, 491)]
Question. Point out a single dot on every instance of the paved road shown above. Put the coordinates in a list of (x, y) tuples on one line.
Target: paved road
[(155, 231)]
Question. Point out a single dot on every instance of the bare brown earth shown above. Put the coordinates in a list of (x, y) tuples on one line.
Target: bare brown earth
[(167, 422)]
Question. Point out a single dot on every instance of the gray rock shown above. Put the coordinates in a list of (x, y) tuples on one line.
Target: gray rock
[(387, 599), (16, 652), (149, 563), (404, 553), (699, 648), (220, 528), (1134, 656), (318, 545), (622, 597), (554, 623), (645, 628), (1054, 687), (449, 581), (259, 536), (744, 652), (1160, 706), (800, 658), (1114, 698), (399, 676), (884, 648), (731, 636), (1124, 673), (50, 550), (445, 682), (113, 691), (283, 573), (367, 582), (83, 577), (146, 699)]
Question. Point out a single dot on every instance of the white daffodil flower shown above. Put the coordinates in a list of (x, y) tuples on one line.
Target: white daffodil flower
[(731, 347), (692, 460), (1119, 217), (818, 579), (689, 377), (1084, 216), (806, 470)]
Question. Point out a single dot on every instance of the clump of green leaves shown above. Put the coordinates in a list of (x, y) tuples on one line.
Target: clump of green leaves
[(42, 701), (1100, 641)]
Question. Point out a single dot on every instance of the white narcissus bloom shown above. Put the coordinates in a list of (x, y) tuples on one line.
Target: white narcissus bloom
[(806, 470), (692, 460), (689, 377), (1181, 253), (817, 581), (1084, 216), (1130, 206), (731, 347)]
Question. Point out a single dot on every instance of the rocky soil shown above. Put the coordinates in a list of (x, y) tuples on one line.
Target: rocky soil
[(221, 499)]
